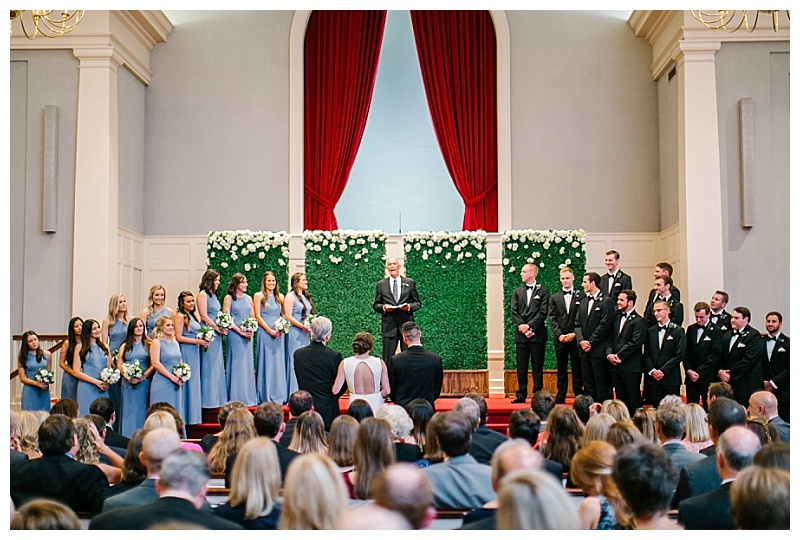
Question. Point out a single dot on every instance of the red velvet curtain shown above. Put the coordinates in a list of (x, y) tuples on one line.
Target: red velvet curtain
[(341, 60), (457, 54)]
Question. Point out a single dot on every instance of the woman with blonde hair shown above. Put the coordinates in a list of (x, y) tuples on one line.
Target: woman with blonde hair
[(617, 409), (401, 425), (271, 381), (254, 501), (239, 429), (315, 495), (341, 441), (696, 432), (29, 434), (45, 515), (91, 446), (155, 309), (309, 434), (597, 427), (645, 422), (373, 452), (165, 354), (534, 500), (603, 508), (297, 306), (622, 433), (161, 419), (187, 324)]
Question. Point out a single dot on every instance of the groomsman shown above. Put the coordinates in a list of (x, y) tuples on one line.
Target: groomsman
[(776, 363), (528, 312), (741, 362), (595, 314), (703, 348), (396, 299), (664, 350), (719, 316), (624, 351), (561, 314), (615, 280), (661, 269), (663, 290)]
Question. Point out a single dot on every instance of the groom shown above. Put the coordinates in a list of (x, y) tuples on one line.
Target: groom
[(396, 300)]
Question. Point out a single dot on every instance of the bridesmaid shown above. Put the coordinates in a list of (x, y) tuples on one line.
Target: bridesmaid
[(69, 384), (89, 359), (35, 394), (165, 354), (296, 308), (270, 349), (115, 327), (241, 382), (156, 308), (135, 392), (186, 327), (212, 369)]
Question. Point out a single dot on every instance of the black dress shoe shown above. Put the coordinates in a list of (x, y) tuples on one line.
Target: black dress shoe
[(518, 400)]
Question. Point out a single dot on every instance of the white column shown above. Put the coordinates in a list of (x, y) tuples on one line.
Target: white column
[(94, 264), (699, 183)]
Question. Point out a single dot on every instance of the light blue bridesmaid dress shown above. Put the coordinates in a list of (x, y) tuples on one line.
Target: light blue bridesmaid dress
[(69, 384), (96, 360), (136, 399), (193, 387), (271, 357), (240, 377), (150, 323), (295, 339), (34, 398), (214, 389), (163, 389), (116, 336)]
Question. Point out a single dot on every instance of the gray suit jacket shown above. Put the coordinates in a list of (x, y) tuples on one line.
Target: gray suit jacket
[(782, 426), (680, 456), (460, 483), (144, 493)]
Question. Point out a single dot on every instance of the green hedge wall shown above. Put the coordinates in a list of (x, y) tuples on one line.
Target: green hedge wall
[(551, 250), (450, 272)]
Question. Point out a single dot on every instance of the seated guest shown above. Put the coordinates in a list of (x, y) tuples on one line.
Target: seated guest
[(360, 409), (157, 445), (420, 412), (371, 517), (239, 429), (161, 419), (372, 453), (182, 486), (401, 425), (696, 434), (483, 444), (603, 508), (670, 424), (581, 405), (208, 441), (16, 450), (644, 476), (309, 434), (315, 495), (719, 389), (565, 436), (764, 403), (524, 424), (254, 501), (597, 427), (134, 470), (645, 422), (460, 482), (617, 409), (433, 452), (104, 407), (760, 499), (532, 500), (483, 429), (45, 515), (773, 455), (67, 407), (91, 446), (764, 430), (622, 433), (163, 406), (29, 434), (341, 441), (542, 403), (404, 489), (56, 475), (299, 402)]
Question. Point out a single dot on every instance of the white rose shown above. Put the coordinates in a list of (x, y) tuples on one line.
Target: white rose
[(223, 264), (261, 255), (437, 249), (247, 267), (505, 261), (481, 255), (447, 255)]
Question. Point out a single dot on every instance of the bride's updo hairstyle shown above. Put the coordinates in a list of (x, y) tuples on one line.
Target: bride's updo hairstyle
[(362, 343)]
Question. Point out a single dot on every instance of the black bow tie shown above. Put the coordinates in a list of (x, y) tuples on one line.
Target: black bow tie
[(568, 292), (736, 332), (660, 328), (772, 338), (529, 287)]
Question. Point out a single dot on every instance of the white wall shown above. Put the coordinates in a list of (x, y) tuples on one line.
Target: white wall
[(131, 151)]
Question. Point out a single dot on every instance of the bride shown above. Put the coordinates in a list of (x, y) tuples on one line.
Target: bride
[(367, 376)]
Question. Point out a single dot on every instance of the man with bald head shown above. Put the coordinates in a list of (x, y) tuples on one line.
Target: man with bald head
[(157, 445), (404, 489), (396, 299), (712, 511), (765, 403)]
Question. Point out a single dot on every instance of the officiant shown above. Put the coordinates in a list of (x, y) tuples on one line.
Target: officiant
[(396, 300)]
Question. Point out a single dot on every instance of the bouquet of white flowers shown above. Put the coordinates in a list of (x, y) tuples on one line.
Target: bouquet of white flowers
[(183, 372), (282, 325), (109, 375), (133, 372), (206, 333), (249, 325), (46, 376), (309, 320), (224, 320)]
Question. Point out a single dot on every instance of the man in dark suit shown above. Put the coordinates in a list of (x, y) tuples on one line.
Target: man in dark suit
[(661, 269), (157, 445), (561, 314), (104, 407), (711, 511), (528, 313), (396, 299), (703, 348), (615, 280), (664, 350), (299, 402), (662, 286), (776, 364), (741, 360), (670, 425), (56, 475), (483, 443), (316, 366), (593, 320), (415, 372), (763, 403), (268, 419), (624, 351), (181, 487), (719, 316), (526, 424)]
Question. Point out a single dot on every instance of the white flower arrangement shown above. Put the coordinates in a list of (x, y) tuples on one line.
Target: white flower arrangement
[(249, 325), (224, 320), (282, 325), (309, 319), (206, 333), (241, 243), (551, 241), (446, 247), (183, 372), (133, 372), (344, 244), (45, 375), (109, 375)]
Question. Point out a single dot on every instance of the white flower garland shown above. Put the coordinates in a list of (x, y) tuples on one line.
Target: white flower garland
[(334, 245), (570, 243), (447, 247), (241, 243)]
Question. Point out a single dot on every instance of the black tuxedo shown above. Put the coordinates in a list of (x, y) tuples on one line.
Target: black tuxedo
[(709, 512), (723, 320), (533, 313), (415, 373), (392, 321), (622, 281), (80, 486), (744, 361), (316, 366), (286, 438), (161, 512), (665, 358), (675, 310), (703, 347), (285, 457), (484, 442), (776, 370), (594, 325), (563, 322), (698, 478), (115, 439), (627, 344)]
